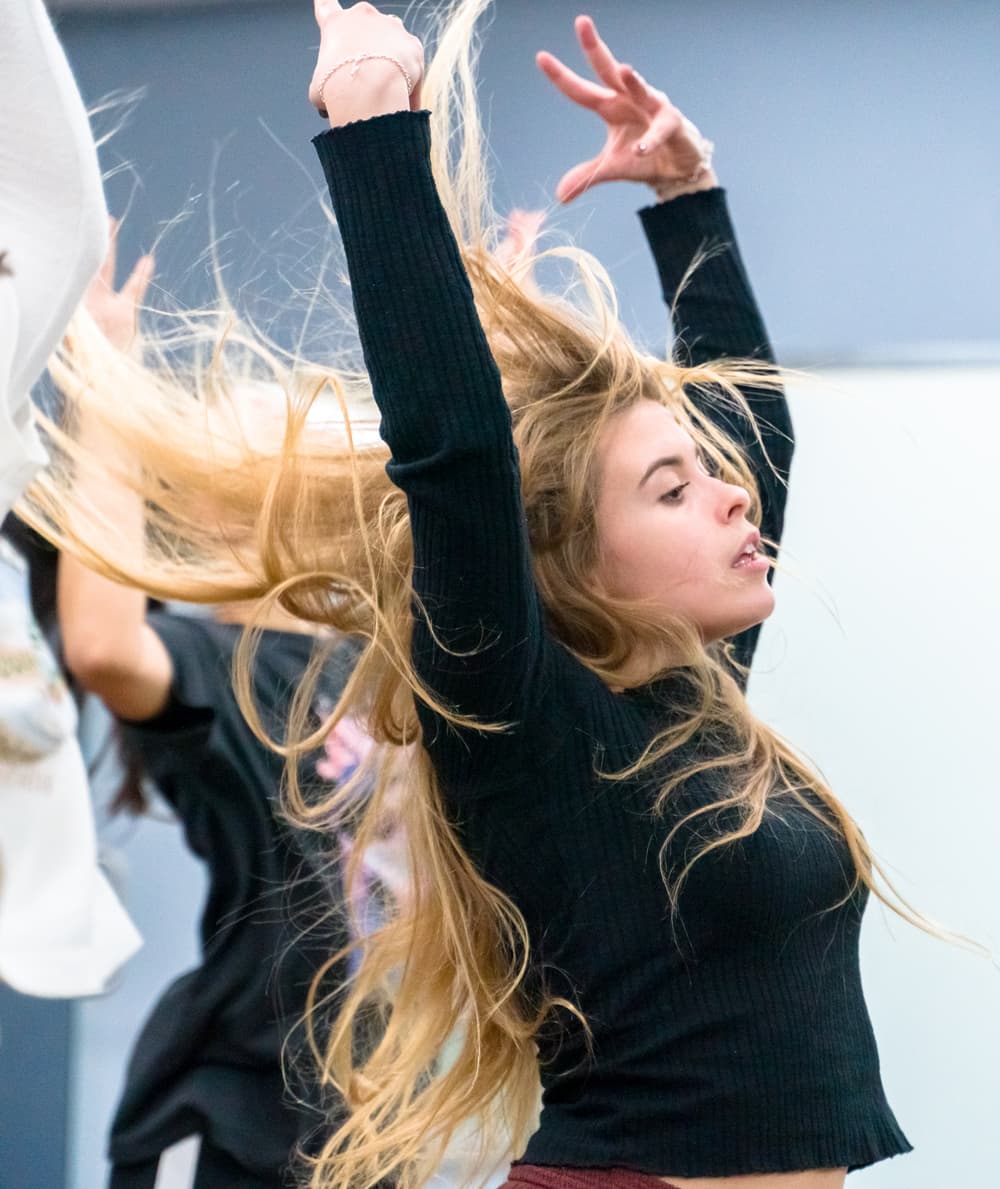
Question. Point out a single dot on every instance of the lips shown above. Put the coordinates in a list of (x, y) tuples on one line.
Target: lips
[(750, 552)]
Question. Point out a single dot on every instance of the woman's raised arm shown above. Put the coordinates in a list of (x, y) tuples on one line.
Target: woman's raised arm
[(107, 644), (715, 314), (434, 379)]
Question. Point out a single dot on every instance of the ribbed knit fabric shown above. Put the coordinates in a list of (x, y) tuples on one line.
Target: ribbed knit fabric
[(735, 1039)]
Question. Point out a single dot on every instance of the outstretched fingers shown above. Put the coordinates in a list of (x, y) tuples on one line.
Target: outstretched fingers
[(523, 230), (579, 90), (605, 65), (639, 91), (135, 287)]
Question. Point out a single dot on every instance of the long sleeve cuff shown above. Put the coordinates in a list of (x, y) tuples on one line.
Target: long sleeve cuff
[(715, 296)]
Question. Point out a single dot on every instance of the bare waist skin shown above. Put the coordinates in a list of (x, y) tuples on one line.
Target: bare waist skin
[(819, 1178)]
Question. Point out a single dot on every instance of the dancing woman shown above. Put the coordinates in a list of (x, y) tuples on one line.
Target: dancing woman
[(208, 1061), (577, 578)]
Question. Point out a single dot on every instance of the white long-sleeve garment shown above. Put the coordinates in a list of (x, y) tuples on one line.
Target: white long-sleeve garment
[(53, 221), (62, 930)]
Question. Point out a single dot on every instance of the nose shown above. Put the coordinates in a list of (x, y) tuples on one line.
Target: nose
[(735, 501)]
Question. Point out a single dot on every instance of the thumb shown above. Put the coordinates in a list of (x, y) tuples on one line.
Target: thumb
[(580, 178)]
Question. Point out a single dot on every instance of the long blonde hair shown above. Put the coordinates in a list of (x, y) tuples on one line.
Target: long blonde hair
[(435, 1028)]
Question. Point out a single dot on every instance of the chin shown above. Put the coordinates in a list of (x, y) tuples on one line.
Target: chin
[(763, 610), (749, 616)]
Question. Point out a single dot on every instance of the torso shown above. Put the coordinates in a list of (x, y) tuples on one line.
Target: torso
[(747, 1005), (820, 1178)]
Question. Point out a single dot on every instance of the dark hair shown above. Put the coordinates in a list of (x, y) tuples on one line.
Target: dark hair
[(130, 796)]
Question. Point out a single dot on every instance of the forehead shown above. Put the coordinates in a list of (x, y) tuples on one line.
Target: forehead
[(635, 437)]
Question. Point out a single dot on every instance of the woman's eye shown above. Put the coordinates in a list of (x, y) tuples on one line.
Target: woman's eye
[(674, 495)]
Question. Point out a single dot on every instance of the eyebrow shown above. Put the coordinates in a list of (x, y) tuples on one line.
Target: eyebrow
[(674, 460)]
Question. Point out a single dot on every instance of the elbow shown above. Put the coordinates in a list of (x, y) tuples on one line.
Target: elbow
[(98, 668)]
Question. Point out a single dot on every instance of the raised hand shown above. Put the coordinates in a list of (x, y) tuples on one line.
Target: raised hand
[(648, 139), (523, 229), (116, 312), (368, 64), (518, 245)]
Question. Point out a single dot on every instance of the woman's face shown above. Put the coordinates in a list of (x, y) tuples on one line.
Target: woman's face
[(672, 535)]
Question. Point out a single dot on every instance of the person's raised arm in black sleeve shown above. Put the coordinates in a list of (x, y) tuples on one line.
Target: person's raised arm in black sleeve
[(444, 417), (716, 317), (713, 307)]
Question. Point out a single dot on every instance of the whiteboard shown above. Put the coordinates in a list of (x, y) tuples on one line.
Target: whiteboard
[(881, 663)]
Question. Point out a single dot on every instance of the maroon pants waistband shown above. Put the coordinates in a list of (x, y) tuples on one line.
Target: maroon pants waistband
[(538, 1177)]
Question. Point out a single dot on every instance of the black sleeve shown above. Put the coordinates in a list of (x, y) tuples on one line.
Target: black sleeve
[(717, 317), (201, 656), (447, 425)]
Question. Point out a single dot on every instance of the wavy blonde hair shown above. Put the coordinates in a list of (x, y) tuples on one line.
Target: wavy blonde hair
[(435, 1028)]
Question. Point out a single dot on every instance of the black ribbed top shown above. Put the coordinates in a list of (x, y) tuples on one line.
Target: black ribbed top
[(735, 1040)]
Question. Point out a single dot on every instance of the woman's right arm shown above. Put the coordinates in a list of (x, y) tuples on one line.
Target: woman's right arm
[(478, 637)]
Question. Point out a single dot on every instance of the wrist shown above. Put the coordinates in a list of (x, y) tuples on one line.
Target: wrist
[(667, 188), (363, 89)]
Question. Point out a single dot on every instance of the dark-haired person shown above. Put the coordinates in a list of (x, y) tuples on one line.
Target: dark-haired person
[(216, 1058)]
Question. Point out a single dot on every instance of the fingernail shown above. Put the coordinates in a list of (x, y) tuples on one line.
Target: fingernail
[(641, 146)]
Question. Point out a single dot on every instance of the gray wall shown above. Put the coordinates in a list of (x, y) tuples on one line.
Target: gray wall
[(35, 1046), (858, 141)]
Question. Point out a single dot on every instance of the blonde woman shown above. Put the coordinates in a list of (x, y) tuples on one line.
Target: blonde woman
[(622, 884), (583, 601)]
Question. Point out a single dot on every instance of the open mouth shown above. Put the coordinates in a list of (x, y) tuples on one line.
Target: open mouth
[(750, 555)]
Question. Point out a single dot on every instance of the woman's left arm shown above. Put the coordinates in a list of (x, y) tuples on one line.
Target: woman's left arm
[(716, 316), (714, 311)]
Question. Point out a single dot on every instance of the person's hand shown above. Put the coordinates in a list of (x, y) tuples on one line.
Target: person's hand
[(648, 139), (357, 90), (518, 245), (117, 312)]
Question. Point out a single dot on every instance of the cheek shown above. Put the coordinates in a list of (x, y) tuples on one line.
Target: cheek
[(647, 560)]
